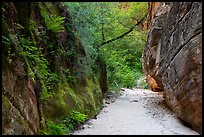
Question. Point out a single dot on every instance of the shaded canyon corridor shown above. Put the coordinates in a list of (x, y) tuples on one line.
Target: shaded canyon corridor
[(101, 68)]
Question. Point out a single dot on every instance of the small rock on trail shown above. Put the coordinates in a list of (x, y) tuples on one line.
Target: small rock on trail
[(135, 112)]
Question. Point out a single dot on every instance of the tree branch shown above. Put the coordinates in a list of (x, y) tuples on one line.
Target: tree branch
[(130, 30)]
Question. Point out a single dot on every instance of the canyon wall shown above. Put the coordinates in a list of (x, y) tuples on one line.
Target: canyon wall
[(173, 57), (45, 72)]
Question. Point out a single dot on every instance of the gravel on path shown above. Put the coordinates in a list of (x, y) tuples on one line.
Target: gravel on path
[(135, 112)]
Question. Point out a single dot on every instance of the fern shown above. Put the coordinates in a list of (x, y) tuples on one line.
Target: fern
[(54, 23)]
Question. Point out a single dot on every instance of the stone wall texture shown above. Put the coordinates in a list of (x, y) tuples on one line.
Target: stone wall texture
[(173, 57), (26, 107)]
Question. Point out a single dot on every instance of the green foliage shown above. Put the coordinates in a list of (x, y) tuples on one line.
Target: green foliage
[(4, 25), (74, 119), (123, 59), (48, 86), (66, 75), (83, 15), (33, 52), (53, 128), (35, 64), (77, 117), (67, 125), (96, 22), (53, 22), (6, 42)]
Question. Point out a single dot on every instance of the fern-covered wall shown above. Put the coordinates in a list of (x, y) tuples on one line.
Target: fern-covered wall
[(45, 73)]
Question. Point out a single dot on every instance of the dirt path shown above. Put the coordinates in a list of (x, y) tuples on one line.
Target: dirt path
[(135, 112)]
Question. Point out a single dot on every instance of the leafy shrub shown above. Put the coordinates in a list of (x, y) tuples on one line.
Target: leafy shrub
[(74, 119), (68, 123), (77, 117), (54, 129)]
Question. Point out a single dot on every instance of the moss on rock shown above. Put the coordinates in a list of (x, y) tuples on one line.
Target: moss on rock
[(45, 55), (88, 101)]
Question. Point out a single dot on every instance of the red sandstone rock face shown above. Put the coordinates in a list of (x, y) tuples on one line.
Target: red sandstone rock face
[(153, 83), (175, 45), (19, 106), (152, 9)]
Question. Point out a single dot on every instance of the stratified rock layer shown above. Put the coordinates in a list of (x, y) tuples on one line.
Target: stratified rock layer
[(175, 45)]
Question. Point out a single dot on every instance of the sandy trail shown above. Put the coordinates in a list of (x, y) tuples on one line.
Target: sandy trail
[(135, 112)]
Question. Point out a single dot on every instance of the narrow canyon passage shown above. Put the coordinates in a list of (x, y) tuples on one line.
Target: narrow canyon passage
[(135, 112), (59, 59)]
